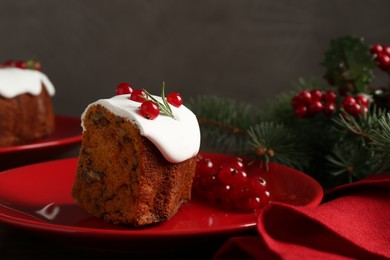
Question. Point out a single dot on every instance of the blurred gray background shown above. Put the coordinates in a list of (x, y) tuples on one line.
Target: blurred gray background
[(243, 49)]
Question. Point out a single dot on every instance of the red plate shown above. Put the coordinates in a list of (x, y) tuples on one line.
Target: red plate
[(37, 197), (66, 135)]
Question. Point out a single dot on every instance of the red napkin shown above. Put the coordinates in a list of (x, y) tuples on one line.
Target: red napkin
[(352, 222)]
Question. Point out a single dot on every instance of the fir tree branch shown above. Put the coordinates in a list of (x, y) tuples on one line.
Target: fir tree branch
[(231, 128), (350, 122), (349, 64), (274, 142)]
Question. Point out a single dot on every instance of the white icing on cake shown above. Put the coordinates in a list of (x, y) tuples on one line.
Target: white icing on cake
[(177, 139), (15, 81)]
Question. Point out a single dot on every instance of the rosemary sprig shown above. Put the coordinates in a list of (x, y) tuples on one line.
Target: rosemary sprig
[(164, 107)]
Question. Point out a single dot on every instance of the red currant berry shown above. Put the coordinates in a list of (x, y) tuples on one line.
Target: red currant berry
[(330, 96), (362, 100), (315, 107), (204, 166), (386, 50), (329, 109), (376, 48), (209, 181), (237, 163), (229, 187), (138, 95), (211, 196), (226, 175), (226, 196), (9, 63), (316, 95), (348, 101), (149, 109), (354, 109), (21, 64), (256, 185), (254, 203), (124, 88), (175, 99), (384, 61), (296, 102), (240, 178), (305, 97), (301, 112)]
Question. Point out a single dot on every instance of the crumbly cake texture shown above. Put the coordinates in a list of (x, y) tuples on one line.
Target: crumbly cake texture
[(122, 177), (25, 118)]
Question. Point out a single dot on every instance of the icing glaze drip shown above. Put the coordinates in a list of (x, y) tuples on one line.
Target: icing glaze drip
[(15, 81), (177, 139)]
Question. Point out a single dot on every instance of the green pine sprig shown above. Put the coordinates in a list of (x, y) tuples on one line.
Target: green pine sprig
[(223, 122), (274, 142), (349, 64), (164, 107)]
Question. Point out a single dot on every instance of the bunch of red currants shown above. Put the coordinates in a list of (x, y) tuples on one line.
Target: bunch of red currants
[(23, 64), (310, 103), (228, 186), (382, 56), (149, 108)]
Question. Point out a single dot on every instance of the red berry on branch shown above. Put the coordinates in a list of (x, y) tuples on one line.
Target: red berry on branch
[(348, 101), (386, 50), (305, 97), (362, 100), (316, 95), (301, 112), (376, 48), (329, 108), (354, 109), (330, 96), (315, 107), (296, 102), (384, 61)]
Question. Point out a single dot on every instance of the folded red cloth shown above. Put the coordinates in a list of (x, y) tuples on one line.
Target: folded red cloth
[(352, 222)]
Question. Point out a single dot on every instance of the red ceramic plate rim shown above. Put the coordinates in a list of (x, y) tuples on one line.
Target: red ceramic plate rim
[(143, 233), (63, 124), (22, 219)]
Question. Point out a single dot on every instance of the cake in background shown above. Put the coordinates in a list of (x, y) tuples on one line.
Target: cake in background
[(26, 109), (138, 157)]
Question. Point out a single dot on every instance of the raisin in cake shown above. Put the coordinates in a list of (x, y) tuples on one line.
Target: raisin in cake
[(26, 111), (133, 170)]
